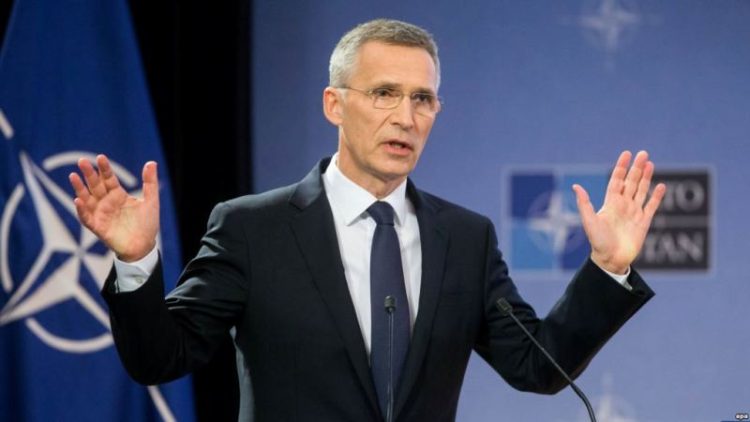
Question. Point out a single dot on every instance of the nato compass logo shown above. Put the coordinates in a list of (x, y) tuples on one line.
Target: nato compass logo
[(610, 24), (541, 224), (51, 267), (610, 406)]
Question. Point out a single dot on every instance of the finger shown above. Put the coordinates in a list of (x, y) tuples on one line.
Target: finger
[(616, 180), (108, 177), (645, 184), (634, 175), (585, 207), (653, 203), (78, 186), (91, 176), (84, 214), (150, 183)]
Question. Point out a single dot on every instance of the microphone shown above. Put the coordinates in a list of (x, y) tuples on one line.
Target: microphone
[(507, 309), (390, 308)]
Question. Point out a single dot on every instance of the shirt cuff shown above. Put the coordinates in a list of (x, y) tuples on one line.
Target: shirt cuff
[(620, 278), (132, 275)]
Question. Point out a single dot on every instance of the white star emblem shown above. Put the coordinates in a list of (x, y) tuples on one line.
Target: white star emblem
[(609, 23), (610, 407), (63, 282), (549, 217)]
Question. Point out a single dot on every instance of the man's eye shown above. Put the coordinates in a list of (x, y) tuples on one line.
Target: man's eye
[(384, 93), (422, 98)]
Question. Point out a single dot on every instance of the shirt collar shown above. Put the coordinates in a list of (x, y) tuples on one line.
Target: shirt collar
[(350, 201)]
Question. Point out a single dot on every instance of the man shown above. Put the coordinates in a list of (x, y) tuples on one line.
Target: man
[(326, 329)]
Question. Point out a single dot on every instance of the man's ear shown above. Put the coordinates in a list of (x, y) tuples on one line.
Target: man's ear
[(332, 105)]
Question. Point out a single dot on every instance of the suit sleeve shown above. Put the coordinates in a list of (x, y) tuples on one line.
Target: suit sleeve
[(161, 339), (592, 309)]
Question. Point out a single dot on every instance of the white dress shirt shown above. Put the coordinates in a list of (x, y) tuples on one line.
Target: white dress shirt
[(354, 231)]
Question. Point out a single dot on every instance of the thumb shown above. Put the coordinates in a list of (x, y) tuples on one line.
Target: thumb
[(585, 208)]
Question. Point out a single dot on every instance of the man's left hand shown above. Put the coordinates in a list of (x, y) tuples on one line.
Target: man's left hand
[(617, 231)]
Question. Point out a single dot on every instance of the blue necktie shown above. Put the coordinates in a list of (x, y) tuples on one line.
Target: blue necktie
[(387, 279)]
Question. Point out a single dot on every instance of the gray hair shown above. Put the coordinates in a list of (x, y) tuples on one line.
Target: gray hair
[(387, 31)]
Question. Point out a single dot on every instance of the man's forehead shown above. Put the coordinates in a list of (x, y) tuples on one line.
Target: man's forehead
[(395, 66)]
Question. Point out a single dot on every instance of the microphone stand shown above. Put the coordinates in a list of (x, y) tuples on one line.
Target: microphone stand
[(390, 308), (507, 309)]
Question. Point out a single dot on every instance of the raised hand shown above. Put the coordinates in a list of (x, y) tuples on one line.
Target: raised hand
[(126, 224), (617, 231)]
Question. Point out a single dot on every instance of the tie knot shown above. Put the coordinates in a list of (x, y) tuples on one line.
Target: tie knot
[(382, 212)]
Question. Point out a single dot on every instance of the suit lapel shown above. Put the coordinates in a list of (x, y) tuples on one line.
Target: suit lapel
[(434, 243), (316, 236)]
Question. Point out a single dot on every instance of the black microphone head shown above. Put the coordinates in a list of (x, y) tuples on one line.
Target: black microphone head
[(504, 306), (390, 303)]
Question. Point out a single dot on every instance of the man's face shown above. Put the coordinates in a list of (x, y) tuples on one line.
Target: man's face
[(379, 148)]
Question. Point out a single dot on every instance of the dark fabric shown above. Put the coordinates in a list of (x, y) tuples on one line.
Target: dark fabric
[(389, 344), (270, 266)]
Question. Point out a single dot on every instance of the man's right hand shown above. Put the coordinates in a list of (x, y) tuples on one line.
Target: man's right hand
[(126, 224)]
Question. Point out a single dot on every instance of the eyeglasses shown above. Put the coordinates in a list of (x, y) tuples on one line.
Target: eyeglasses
[(424, 103)]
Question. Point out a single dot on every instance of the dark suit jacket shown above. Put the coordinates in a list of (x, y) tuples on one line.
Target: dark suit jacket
[(270, 266)]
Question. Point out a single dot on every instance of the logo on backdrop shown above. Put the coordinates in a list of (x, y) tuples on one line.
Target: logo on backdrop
[(680, 236), (48, 260), (542, 231), (609, 24), (610, 406), (541, 223)]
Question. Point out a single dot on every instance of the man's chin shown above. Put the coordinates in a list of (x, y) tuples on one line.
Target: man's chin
[(395, 175)]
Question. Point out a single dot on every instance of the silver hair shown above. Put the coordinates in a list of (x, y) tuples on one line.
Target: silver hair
[(387, 31)]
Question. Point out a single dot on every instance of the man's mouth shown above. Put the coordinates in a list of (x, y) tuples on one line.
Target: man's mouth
[(398, 145)]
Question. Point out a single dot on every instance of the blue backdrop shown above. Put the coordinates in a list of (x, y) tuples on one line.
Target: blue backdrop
[(558, 89)]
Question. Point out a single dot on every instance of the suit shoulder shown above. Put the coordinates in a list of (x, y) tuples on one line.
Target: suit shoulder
[(454, 212), (271, 203), (268, 199)]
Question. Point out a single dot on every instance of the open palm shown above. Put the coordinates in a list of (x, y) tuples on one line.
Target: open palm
[(617, 231), (126, 224)]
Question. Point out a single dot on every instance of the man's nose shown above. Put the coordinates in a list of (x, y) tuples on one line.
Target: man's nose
[(403, 114)]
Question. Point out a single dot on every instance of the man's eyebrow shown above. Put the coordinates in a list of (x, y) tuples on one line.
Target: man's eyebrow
[(399, 87), (424, 91), (388, 85)]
